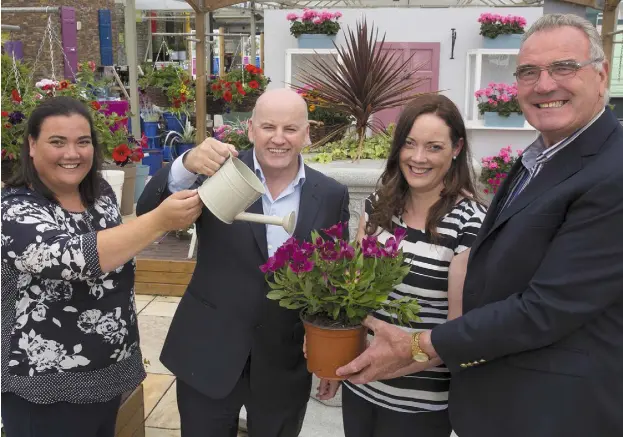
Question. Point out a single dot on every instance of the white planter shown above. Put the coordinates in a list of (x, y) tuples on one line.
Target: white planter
[(115, 178)]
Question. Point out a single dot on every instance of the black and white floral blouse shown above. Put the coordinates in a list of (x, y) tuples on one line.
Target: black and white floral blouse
[(69, 331)]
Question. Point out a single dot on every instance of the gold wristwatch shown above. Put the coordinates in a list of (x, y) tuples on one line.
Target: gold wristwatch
[(416, 352)]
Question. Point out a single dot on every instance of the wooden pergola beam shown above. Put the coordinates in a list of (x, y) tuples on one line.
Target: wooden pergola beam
[(202, 7)]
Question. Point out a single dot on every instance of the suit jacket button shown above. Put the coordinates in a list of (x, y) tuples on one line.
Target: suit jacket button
[(258, 326)]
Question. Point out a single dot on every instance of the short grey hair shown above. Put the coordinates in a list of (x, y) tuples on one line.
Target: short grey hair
[(555, 21)]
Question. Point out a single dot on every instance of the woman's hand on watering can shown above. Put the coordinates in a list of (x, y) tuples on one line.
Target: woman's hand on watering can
[(179, 210), (208, 156)]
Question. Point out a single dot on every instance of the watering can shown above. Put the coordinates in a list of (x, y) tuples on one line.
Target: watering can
[(233, 189)]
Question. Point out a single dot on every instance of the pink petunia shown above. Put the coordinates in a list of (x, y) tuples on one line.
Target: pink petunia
[(292, 16)]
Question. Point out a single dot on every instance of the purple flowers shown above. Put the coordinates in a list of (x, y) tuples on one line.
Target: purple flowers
[(336, 231), (303, 257), (16, 117)]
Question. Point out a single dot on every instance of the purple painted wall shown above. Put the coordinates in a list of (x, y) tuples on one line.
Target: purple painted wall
[(69, 36)]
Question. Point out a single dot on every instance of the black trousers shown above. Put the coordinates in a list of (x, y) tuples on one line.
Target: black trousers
[(22, 418), (202, 416), (365, 419)]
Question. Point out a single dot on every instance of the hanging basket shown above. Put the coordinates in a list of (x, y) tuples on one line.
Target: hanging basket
[(157, 96), (220, 106)]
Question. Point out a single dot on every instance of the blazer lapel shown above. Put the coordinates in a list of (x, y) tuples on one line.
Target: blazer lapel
[(309, 206), (563, 165), (259, 229)]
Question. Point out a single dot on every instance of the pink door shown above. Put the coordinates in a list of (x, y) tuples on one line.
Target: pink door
[(425, 60)]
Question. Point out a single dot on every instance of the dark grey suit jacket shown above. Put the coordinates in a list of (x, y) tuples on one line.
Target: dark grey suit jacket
[(224, 316), (539, 351)]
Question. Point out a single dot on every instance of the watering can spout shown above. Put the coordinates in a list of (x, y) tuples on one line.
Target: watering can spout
[(288, 222)]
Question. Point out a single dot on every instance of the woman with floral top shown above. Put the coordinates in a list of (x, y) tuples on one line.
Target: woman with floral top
[(70, 344)]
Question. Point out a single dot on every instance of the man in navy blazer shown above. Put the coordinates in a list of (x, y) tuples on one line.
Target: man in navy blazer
[(228, 344), (539, 349)]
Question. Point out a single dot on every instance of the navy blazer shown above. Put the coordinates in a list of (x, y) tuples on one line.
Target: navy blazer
[(539, 351), (224, 316)]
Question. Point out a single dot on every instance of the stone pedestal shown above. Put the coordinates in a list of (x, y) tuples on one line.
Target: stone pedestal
[(360, 177)]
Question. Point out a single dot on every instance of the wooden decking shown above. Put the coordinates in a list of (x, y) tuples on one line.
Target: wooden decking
[(163, 268)]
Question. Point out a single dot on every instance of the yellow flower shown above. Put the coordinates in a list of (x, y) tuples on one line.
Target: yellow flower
[(312, 108), (183, 89)]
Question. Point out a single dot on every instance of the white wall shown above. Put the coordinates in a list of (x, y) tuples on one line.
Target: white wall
[(412, 25)]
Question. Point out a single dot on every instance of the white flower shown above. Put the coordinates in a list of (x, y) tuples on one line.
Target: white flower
[(45, 82), (38, 257), (88, 320), (112, 328), (42, 354)]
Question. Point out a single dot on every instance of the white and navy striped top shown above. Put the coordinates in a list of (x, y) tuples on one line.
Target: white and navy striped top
[(428, 282)]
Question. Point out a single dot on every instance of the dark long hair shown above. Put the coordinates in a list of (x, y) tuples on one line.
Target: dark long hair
[(26, 174), (394, 189)]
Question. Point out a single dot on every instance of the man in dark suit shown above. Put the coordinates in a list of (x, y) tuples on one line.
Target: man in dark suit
[(228, 344), (539, 350)]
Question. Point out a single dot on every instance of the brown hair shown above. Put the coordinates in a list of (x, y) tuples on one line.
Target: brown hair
[(394, 190), (26, 174)]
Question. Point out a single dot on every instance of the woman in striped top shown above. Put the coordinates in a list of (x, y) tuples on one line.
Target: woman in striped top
[(427, 188)]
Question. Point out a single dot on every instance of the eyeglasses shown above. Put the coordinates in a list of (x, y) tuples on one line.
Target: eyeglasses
[(530, 74)]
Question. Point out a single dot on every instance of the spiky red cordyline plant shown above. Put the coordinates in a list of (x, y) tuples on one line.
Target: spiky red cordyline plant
[(363, 80)]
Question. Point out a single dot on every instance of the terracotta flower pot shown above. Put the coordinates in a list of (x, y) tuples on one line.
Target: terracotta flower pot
[(328, 349)]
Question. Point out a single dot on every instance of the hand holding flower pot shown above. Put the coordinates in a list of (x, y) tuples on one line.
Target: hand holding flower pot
[(336, 284)]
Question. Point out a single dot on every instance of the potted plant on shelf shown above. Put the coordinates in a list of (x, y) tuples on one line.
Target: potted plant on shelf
[(336, 284), (501, 32), (499, 105), (314, 29), (235, 133), (236, 91), (495, 169), (362, 80)]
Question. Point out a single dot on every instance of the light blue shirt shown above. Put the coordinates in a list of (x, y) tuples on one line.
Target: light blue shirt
[(287, 201)]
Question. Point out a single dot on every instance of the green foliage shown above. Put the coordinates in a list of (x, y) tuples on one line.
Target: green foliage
[(374, 147)]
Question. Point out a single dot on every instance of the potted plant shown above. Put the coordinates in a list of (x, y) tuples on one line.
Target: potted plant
[(335, 284), (18, 101), (236, 91), (125, 156), (361, 81), (181, 142), (235, 133), (325, 119), (169, 86), (501, 32), (499, 105), (376, 146), (495, 169), (314, 29)]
